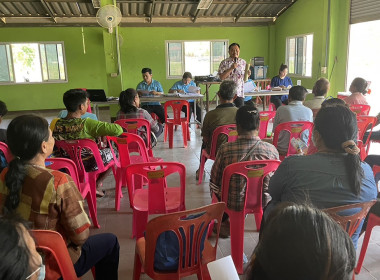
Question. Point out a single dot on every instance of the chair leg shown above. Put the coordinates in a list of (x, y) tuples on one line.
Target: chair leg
[(258, 218), (185, 127), (201, 169), (237, 240), (119, 182), (373, 221), (94, 216), (170, 132), (137, 267), (165, 132), (140, 219)]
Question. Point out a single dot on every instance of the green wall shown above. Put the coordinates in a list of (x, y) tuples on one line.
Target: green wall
[(83, 70), (145, 47), (310, 16)]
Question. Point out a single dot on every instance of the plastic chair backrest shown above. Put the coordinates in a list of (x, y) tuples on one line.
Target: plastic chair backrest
[(360, 109), (265, 117), (74, 148), (157, 183), (6, 151), (351, 222), (66, 164), (176, 106), (134, 126), (254, 172), (53, 242), (189, 233), (229, 130), (365, 123), (124, 143), (294, 130)]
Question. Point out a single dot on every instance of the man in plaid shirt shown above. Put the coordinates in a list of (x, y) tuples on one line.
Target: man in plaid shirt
[(247, 122)]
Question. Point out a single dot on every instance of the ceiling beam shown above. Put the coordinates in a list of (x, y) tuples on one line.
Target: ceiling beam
[(3, 20), (46, 7), (243, 10), (196, 15), (152, 11)]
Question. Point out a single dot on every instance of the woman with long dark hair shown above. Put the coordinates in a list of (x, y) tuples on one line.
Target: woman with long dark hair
[(51, 200), (333, 176), (299, 242)]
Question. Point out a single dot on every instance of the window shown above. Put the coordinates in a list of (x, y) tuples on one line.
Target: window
[(197, 57), (32, 63), (299, 54)]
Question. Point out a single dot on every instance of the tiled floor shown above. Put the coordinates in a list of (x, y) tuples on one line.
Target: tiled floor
[(120, 222)]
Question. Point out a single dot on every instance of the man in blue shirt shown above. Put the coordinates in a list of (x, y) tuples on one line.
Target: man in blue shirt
[(151, 87), (183, 86)]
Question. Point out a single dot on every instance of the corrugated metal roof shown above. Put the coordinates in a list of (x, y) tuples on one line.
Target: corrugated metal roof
[(142, 12)]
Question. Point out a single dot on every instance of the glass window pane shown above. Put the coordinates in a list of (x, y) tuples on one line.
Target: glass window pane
[(219, 53), (175, 59), (43, 62), (52, 61), (9, 56), (299, 56), (291, 55), (61, 62), (4, 67), (26, 62), (197, 58), (309, 55)]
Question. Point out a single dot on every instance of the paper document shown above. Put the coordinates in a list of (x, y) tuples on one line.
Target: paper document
[(222, 269), (188, 94), (192, 89), (249, 86)]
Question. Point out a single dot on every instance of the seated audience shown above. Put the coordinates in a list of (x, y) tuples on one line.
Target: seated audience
[(295, 111), (320, 90), (247, 147), (183, 86), (298, 243), (358, 89), (51, 200), (18, 254), (129, 102), (63, 113), (151, 87), (223, 114), (74, 127), (282, 81), (334, 176)]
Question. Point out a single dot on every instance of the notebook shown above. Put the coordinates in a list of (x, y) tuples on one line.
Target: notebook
[(97, 95)]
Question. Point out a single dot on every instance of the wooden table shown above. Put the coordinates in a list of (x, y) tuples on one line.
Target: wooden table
[(265, 93), (157, 98), (263, 83)]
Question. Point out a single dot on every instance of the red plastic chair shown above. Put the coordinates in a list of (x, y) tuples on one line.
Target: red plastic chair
[(7, 153), (84, 188), (155, 117), (176, 106), (230, 131), (73, 148), (157, 198), (365, 123), (254, 172), (133, 126), (349, 223), (360, 109), (191, 262), (265, 117), (126, 157), (373, 221), (294, 130), (52, 242)]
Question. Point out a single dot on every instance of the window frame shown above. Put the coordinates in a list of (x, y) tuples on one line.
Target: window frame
[(304, 54), (168, 77), (50, 81)]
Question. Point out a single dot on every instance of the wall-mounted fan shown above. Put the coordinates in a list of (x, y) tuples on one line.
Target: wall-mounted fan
[(108, 16)]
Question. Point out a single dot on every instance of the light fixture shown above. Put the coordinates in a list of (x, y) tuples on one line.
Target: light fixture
[(96, 4), (204, 4)]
